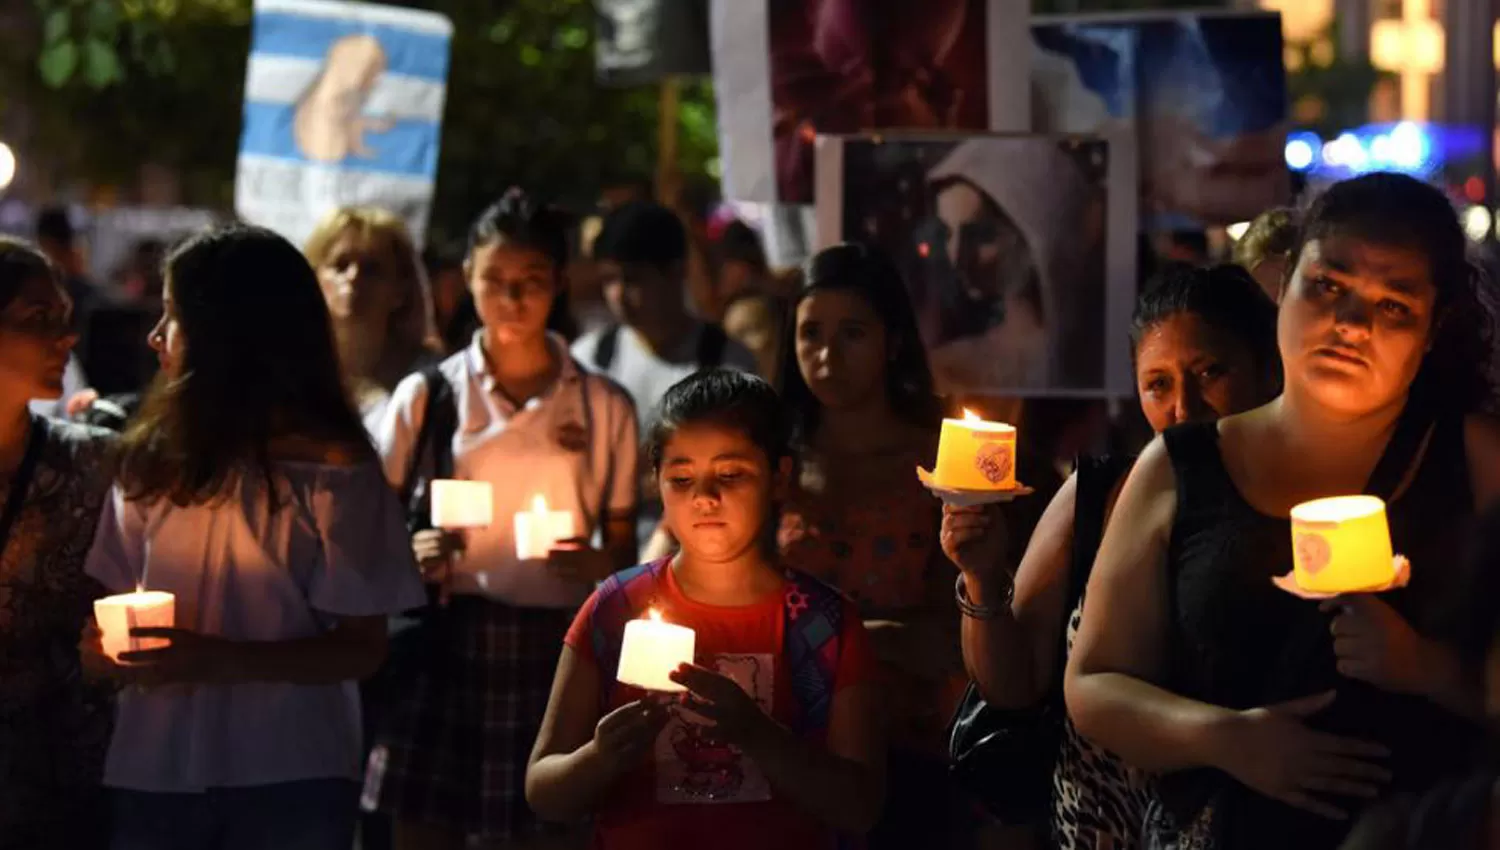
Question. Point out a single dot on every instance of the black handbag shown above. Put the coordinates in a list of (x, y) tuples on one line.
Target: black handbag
[(1004, 757)]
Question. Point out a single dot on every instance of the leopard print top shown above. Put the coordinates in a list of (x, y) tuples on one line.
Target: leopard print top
[(1098, 801)]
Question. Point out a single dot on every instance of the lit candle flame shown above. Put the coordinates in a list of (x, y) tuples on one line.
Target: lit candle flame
[(539, 505), (653, 614), (971, 416)]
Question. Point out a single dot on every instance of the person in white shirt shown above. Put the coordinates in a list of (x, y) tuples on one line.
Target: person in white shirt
[(514, 410), (654, 342), (248, 489)]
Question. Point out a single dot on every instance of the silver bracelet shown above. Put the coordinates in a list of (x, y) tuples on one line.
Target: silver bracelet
[(976, 611)]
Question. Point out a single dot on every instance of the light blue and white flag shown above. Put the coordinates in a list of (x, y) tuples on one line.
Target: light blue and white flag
[(343, 106)]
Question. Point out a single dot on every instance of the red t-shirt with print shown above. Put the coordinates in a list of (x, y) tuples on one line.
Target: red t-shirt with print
[(692, 792)]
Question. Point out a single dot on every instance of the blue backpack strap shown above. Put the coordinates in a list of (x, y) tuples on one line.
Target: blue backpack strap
[(619, 599), (812, 640)]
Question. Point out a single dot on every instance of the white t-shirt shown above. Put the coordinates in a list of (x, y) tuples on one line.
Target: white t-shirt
[(646, 374), (337, 547)]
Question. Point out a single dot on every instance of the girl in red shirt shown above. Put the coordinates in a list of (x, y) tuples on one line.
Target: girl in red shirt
[(774, 739)]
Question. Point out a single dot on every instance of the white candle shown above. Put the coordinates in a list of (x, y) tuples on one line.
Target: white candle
[(539, 530), (651, 650), (462, 504), (117, 615)]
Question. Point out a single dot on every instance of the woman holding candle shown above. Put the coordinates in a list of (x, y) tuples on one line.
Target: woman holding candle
[(1204, 346), (774, 743), (376, 288), (865, 416), (54, 726), (1275, 717), (558, 447), (248, 490)]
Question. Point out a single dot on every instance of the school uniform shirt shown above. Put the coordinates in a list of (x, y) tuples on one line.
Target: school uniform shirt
[(647, 374), (336, 546), (693, 792), (576, 445)]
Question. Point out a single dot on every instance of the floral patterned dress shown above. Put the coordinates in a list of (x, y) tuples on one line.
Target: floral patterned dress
[(54, 726)]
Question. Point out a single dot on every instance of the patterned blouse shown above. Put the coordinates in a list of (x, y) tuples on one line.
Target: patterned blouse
[(878, 543), (54, 727)]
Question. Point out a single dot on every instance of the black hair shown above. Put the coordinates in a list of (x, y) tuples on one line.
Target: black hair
[(740, 243), (21, 261), (642, 232), (1224, 297), (55, 225), (518, 220), (1402, 211), (242, 385), (724, 397), (870, 274)]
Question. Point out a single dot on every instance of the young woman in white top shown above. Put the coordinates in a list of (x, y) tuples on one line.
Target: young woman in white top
[(450, 760), (247, 488)]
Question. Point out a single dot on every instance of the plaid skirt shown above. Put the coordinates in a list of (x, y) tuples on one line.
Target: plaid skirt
[(457, 716)]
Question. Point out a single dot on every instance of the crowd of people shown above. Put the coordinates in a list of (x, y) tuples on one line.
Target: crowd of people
[(1103, 664)]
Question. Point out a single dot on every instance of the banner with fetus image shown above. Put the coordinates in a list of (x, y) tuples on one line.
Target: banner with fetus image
[(343, 107), (788, 70), (1201, 95), (1018, 253)]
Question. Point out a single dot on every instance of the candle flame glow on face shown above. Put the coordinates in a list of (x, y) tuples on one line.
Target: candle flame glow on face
[(653, 614), (971, 416)]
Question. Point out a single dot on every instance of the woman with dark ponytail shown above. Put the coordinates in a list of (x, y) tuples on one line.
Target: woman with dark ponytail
[(514, 410)]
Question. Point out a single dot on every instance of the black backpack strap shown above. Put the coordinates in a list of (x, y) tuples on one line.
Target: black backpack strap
[(434, 442), (609, 343), (711, 344)]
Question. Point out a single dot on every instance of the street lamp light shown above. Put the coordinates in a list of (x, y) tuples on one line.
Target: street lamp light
[(1414, 47)]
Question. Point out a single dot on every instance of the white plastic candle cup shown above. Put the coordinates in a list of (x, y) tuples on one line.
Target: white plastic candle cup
[(117, 615), (462, 504), (651, 650)]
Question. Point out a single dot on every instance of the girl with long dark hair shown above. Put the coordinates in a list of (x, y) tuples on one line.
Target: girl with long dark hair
[(247, 488), (854, 374)]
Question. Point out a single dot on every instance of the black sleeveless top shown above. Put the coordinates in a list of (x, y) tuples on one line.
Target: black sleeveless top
[(1239, 642)]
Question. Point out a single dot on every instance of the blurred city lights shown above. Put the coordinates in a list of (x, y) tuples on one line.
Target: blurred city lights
[(1406, 147), (7, 166), (1301, 151)]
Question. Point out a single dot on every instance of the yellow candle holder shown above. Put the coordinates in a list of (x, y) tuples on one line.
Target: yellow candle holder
[(976, 462), (1342, 545)]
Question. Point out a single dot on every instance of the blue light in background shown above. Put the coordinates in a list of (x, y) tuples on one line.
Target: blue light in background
[(1417, 149)]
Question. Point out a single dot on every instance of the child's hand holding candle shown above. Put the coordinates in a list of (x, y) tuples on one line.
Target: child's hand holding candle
[(652, 650)]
